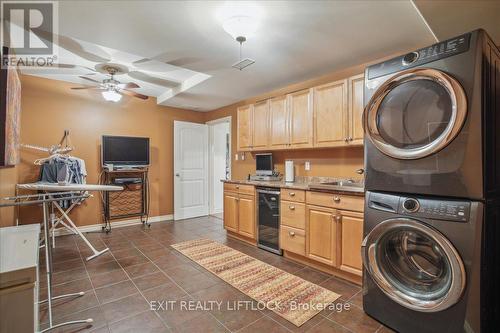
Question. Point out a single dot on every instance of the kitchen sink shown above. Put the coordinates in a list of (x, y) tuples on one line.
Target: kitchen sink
[(343, 185)]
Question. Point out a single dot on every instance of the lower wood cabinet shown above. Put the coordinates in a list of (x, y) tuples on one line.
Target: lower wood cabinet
[(293, 240), (321, 234), (246, 216), (231, 211), (351, 224), (239, 213)]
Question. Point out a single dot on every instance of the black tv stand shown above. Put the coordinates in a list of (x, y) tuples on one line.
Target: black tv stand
[(133, 201)]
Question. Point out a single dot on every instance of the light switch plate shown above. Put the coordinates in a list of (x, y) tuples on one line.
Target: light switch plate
[(307, 166)]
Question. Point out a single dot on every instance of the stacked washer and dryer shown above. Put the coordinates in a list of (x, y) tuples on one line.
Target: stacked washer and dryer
[(432, 211)]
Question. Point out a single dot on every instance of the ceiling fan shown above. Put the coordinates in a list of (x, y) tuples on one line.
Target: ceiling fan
[(112, 89)]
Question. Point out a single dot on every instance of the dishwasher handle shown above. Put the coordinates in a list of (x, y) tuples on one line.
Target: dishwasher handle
[(260, 190)]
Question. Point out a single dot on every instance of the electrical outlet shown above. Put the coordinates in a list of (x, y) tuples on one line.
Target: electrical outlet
[(236, 157), (307, 166)]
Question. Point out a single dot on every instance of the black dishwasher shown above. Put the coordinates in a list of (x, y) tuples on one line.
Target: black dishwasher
[(269, 219)]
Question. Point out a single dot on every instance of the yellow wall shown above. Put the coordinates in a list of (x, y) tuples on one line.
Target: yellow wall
[(49, 107), (8, 181)]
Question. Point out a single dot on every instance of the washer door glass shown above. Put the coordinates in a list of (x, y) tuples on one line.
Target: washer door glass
[(414, 264), (415, 113)]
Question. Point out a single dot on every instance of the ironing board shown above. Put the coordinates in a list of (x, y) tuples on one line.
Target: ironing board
[(49, 188)]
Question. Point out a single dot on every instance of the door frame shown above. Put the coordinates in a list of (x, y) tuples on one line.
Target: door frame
[(210, 124)]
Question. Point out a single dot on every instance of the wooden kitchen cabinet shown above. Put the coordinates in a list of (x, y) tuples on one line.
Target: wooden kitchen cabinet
[(330, 114), (260, 125), (246, 216), (356, 106), (231, 211), (300, 119), (239, 210), (338, 113), (245, 127), (278, 122), (321, 235), (351, 224)]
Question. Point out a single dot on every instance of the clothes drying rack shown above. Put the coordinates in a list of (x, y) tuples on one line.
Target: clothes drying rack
[(64, 147), (45, 199)]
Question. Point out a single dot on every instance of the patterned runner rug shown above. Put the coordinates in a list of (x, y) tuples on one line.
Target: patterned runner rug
[(291, 297)]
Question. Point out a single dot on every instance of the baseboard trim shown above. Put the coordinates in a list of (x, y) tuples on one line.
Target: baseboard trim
[(116, 224)]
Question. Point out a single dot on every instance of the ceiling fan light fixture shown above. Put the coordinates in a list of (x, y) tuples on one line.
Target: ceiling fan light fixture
[(111, 95)]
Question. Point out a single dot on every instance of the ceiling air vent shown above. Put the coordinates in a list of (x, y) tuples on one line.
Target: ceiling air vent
[(243, 63)]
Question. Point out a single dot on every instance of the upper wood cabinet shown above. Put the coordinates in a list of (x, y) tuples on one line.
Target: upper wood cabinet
[(278, 122), (260, 125), (330, 114), (245, 127), (356, 88), (300, 119)]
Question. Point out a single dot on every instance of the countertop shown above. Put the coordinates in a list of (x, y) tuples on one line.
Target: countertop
[(302, 183)]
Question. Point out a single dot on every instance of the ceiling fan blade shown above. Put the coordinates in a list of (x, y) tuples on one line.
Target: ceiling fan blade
[(133, 93), (89, 79), (128, 85)]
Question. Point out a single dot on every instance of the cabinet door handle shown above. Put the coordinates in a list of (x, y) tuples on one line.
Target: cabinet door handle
[(291, 233), (291, 207), (292, 194), (350, 138), (337, 218), (336, 199), (237, 186), (346, 139)]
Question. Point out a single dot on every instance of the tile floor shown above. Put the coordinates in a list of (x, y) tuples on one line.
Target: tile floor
[(142, 267)]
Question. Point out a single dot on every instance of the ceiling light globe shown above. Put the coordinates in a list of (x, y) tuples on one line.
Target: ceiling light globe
[(111, 95), (240, 26)]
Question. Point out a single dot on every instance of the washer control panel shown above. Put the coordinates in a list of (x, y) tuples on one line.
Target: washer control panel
[(451, 210)]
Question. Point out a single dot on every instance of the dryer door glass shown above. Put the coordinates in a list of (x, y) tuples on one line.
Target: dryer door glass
[(415, 114), (414, 264)]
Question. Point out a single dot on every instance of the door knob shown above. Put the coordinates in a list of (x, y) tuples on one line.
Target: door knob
[(337, 218), (291, 207), (292, 194), (336, 199), (291, 233), (350, 138), (346, 139)]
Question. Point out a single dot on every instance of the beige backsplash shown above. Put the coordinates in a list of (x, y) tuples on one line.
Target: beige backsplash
[(332, 162)]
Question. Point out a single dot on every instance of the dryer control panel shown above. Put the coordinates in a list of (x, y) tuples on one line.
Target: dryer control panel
[(451, 210), (422, 56)]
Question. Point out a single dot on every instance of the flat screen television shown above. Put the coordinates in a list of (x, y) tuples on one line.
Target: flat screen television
[(125, 151)]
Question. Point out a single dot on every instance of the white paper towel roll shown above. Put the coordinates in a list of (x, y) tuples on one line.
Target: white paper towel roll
[(289, 172)]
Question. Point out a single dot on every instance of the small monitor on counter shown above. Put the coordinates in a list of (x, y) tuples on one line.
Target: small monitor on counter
[(264, 164)]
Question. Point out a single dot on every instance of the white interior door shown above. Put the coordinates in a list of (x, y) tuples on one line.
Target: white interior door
[(190, 170), (219, 163)]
